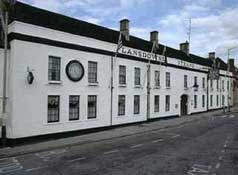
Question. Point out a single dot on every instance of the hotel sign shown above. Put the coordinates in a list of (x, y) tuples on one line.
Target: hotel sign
[(185, 64), (141, 54)]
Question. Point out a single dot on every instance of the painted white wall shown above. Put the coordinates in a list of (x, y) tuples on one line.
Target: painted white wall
[(28, 103)]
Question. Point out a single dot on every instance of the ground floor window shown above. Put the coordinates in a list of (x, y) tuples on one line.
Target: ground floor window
[(211, 100), (121, 105), (73, 107), (156, 103), (203, 101), (217, 100), (92, 106), (223, 100), (136, 104), (195, 101), (53, 108), (167, 102)]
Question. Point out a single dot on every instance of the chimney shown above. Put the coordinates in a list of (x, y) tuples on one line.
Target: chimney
[(124, 28), (212, 55), (184, 47), (231, 64), (154, 37)]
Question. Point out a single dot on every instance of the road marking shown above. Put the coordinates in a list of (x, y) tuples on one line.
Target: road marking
[(220, 158), (35, 169), (175, 136), (111, 152), (231, 116), (156, 141), (225, 145), (218, 165), (137, 146), (48, 154), (9, 165), (223, 151), (199, 169), (78, 159)]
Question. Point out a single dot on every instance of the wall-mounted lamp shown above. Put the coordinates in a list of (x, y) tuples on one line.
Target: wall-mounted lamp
[(30, 76)]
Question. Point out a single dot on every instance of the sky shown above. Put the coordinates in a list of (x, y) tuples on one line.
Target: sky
[(214, 23)]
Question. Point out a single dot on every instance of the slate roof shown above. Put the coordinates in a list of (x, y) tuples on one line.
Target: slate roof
[(33, 15)]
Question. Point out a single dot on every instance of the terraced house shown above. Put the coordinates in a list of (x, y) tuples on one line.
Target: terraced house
[(63, 76)]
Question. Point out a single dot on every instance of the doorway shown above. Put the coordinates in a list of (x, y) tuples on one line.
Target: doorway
[(184, 105)]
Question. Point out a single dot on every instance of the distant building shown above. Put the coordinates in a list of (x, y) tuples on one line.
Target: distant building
[(60, 72)]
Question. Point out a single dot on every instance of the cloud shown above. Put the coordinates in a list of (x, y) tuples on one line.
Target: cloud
[(211, 30)]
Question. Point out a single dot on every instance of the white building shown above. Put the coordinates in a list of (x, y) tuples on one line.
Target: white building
[(71, 62)]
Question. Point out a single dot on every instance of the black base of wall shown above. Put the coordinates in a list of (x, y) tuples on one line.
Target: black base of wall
[(49, 137)]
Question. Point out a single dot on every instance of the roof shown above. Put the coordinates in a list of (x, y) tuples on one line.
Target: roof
[(33, 15)]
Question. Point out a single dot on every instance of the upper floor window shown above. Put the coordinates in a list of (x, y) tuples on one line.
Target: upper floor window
[(167, 79), (195, 80), (54, 68), (217, 100), (222, 83), (211, 83), (185, 81), (228, 87), (53, 108), (217, 84), (122, 74), (137, 76), (203, 82), (92, 72), (157, 78), (73, 107)]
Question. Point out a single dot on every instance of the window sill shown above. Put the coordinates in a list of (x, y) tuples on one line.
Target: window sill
[(168, 87), (186, 88), (138, 86), (157, 87), (91, 119), (93, 84), (123, 85), (53, 123), (55, 82)]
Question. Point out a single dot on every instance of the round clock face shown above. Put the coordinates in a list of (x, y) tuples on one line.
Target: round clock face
[(75, 70)]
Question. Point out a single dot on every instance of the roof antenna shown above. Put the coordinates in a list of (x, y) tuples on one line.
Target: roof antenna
[(189, 30)]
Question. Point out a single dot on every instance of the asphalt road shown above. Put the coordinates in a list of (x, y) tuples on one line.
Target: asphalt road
[(208, 146)]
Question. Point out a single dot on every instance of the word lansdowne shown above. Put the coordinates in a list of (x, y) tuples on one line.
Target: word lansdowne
[(63, 76)]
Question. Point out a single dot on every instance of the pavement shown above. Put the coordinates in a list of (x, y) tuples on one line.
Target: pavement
[(104, 135), (203, 144)]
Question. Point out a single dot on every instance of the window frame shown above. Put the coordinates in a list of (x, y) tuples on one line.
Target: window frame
[(136, 111), (92, 72), (78, 112), (137, 76), (58, 109), (157, 78), (52, 70), (157, 103), (88, 108), (167, 103), (121, 109), (167, 80), (122, 75)]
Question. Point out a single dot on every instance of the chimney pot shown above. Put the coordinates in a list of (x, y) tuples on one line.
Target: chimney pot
[(124, 28)]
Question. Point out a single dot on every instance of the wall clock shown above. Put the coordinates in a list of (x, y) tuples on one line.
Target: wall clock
[(74, 70)]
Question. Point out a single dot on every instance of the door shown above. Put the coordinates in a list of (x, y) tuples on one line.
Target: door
[(184, 105)]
